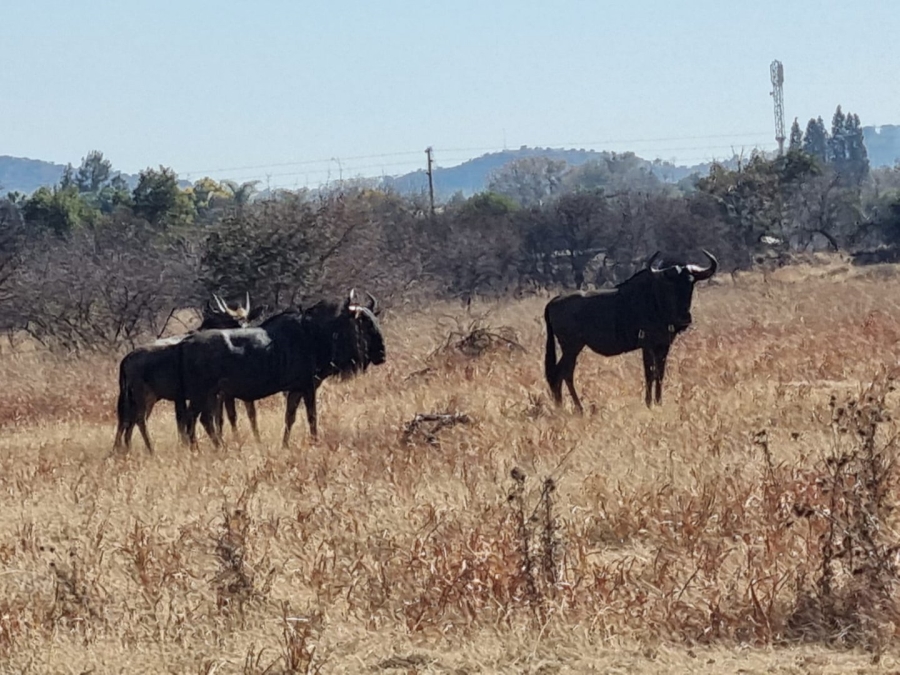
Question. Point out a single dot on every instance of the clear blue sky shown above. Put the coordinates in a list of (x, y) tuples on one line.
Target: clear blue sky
[(215, 87)]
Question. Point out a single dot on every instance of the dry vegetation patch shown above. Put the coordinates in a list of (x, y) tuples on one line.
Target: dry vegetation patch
[(747, 523)]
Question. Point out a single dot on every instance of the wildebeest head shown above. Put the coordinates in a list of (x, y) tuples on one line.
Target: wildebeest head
[(674, 297), (218, 315), (355, 338)]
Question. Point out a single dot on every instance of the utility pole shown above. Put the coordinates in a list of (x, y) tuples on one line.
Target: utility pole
[(430, 173), (776, 72)]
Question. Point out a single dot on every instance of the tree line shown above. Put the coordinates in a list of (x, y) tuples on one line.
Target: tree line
[(92, 263)]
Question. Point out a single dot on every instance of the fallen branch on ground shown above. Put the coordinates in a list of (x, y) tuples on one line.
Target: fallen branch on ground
[(438, 420)]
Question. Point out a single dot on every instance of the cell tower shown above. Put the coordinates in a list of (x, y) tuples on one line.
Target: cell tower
[(777, 72)]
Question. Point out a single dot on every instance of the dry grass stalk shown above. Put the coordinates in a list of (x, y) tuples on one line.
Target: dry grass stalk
[(639, 538)]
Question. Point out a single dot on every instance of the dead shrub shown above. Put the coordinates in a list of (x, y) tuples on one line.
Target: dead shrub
[(853, 598), (424, 427), (235, 583), (476, 338), (78, 595)]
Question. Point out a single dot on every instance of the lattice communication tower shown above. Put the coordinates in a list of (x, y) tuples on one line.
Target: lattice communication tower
[(777, 73)]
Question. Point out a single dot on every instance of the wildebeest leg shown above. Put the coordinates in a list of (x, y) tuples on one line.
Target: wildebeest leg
[(124, 428), (290, 414), (208, 410), (228, 404), (141, 419), (661, 354), (187, 426), (653, 357), (649, 355), (251, 415), (566, 371), (309, 399)]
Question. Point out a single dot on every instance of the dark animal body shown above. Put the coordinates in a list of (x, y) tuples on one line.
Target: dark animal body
[(292, 352), (644, 312), (149, 374)]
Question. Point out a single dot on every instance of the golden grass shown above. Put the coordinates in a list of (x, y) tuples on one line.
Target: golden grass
[(674, 547)]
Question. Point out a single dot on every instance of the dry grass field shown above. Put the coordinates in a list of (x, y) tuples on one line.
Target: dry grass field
[(704, 534)]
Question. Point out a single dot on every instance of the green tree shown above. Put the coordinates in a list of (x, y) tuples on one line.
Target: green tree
[(59, 210), (815, 140), (488, 204), (837, 143), (749, 200), (209, 198), (796, 142), (857, 162), (68, 177), (159, 200), (94, 172)]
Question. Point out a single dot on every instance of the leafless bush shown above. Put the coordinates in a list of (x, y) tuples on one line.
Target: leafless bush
[(12, 236), (78, 595), (478, 338), (101, 288), (293, 250), (855, 592), (236, 583)]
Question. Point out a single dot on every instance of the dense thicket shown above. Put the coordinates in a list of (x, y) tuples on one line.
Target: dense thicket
[(90, 263)]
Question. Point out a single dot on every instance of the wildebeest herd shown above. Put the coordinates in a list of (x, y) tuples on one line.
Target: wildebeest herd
[(293, 352)]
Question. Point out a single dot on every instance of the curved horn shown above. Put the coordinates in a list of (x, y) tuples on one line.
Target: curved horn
[(651, 263), (351, 298), (701, 273), (220, 304), (247, 302), (373, 303)]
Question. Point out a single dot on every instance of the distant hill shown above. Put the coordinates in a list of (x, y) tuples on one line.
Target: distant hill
[(473, 175), (19, 174), (882, 144), (27, 175)]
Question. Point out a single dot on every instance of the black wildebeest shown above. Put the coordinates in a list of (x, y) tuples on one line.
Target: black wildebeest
[(147, 374), (292, 352), (644, 312)]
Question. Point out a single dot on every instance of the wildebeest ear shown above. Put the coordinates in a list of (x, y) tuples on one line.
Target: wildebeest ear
[(373, 304), (256, 312)]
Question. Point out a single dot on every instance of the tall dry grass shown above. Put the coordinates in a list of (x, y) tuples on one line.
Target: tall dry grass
[(746, 523)]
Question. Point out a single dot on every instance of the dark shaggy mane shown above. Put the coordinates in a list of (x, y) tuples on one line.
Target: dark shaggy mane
[(323, 309), (291, 311), (636, 277)]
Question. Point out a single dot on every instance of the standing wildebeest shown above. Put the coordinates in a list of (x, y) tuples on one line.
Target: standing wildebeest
[(147, 374), (646, 311), (292, 352)]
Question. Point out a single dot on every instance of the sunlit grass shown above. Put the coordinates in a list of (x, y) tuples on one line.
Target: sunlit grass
[(363, 551)]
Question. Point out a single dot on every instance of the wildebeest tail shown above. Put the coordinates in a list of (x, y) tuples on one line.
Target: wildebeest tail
[(181, 416), (550, 355), (126, 404)]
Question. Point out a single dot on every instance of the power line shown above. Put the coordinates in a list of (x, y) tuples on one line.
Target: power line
[(411, 153), (300, 163), (415, 165)]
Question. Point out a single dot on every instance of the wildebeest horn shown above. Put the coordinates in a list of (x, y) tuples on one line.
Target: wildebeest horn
[(247, 302), (651, 264), (220, 304), (701, 273), (373, 303)]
